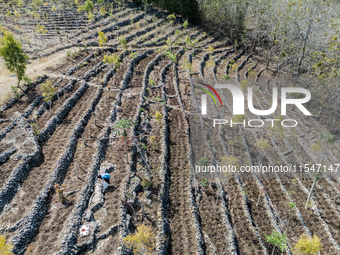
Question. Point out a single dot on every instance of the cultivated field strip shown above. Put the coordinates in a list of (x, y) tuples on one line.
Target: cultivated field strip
[(244, 191)]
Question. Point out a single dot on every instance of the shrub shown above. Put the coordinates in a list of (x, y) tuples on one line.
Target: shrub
[(262, 144), (307, 245), (123, 42), (5, 249), (158, 116), (102, 39), (142, 241), (88, 7), (112, 60), (186, 24), (48, 91), (210, 49)]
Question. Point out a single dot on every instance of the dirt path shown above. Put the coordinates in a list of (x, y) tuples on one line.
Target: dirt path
[(34, 69)]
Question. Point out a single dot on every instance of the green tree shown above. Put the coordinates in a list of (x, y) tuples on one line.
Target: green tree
[(15, 58), (121, 128)]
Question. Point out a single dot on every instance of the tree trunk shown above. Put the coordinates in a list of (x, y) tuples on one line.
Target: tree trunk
[(273, 250), (127, 156)]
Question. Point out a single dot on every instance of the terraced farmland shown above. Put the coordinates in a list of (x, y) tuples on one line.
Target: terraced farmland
[(70, 139)]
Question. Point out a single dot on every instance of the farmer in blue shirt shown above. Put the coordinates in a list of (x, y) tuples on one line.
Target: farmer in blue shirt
[(106, 180)]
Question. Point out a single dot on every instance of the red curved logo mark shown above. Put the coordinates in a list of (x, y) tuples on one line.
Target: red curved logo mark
[(213, 90)]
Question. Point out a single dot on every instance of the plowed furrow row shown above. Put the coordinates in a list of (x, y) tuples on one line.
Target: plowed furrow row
[(182, 233)]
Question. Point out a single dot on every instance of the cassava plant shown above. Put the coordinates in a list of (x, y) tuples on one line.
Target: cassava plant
[(121, 128), (277, 240), (292, 206), (48, 92)]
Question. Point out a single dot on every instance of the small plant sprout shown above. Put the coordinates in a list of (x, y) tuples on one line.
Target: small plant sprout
[(121, 128), (307, 245), (41, 29), (59, 189), (123, 42), (263, 193), (36, 131), (134, 55), (157, 99), (171, 18), (227, 77), (15, 92), (204, 182), (143, 146), (113, 61), (153, 142), (151, 82), (186, 66), (292, 206), (102, 39), (146, 183), (234, 67), (186, 24), (244, 85), (210, 50), (316, 147), (48, 92), (142, 241), (203, 161), (277, 240), (158, 117)]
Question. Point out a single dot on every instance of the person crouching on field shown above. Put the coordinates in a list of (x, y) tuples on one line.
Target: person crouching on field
[(105, 180)]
